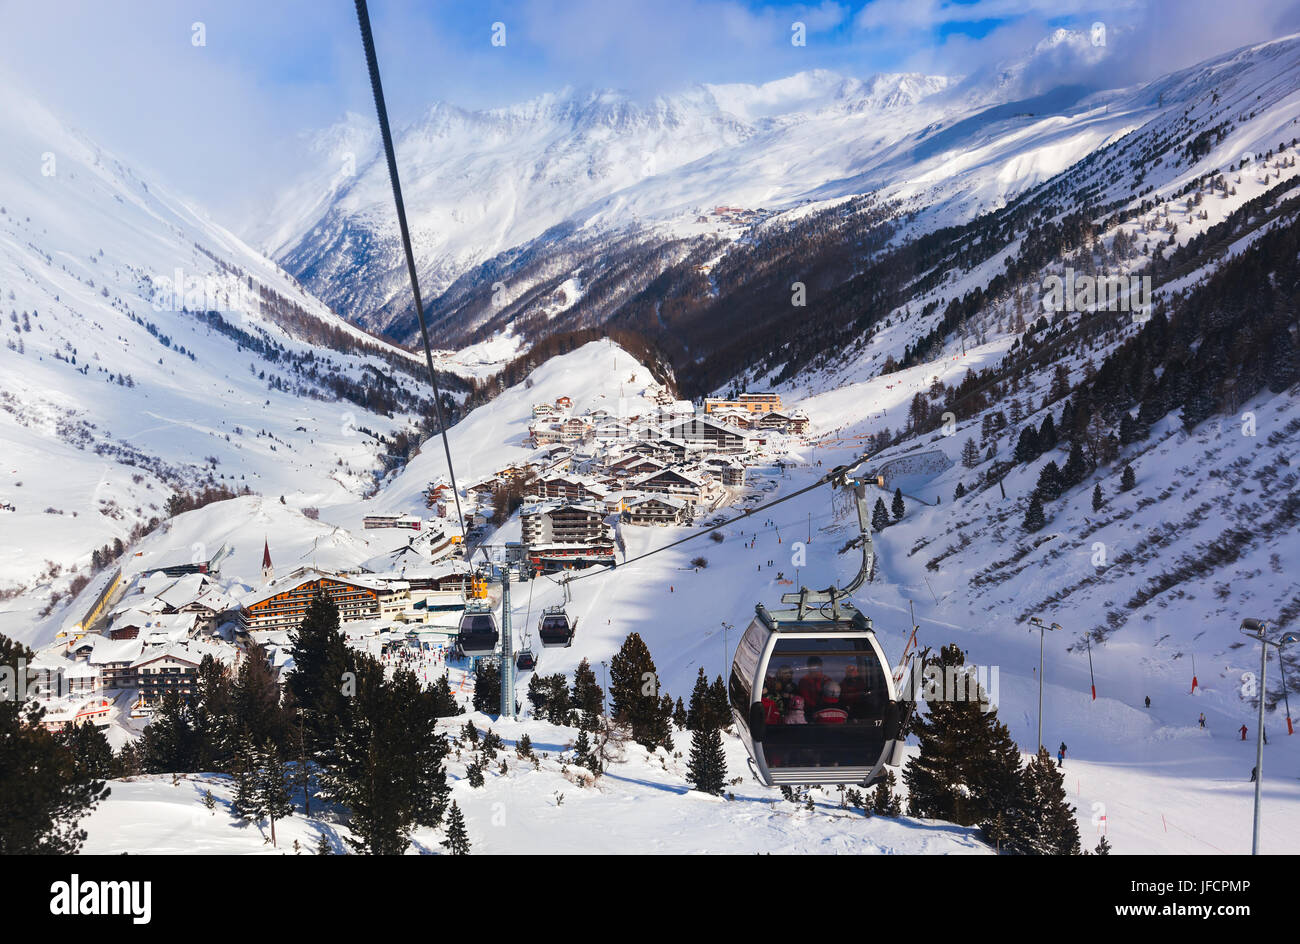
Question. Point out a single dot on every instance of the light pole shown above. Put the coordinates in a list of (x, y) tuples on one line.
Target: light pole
[(507, 674), (726, 651), (1042, 628), (1255, 630)]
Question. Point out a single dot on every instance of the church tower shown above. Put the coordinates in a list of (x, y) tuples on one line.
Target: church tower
[(268, 571)]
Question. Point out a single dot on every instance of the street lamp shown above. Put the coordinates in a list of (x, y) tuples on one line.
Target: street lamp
[(726, 651), (1042, 628), (1255, 630)]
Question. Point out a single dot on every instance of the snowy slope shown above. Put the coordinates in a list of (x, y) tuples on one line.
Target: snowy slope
[(115, 397), (1152, 771), (643, 805)]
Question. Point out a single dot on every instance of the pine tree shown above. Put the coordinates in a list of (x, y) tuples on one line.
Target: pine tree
[(898, 507), (707, 768), (92, 755), (444, 700), (966, 759), (1047, 434), (959, 491), (1027, 448), (1060, 383), (43, 794), (255, 700), (323, 846), (214, 715), (1098, 502), (557, 699), (474, 773), (582, 753), (883, 800), (720, 702), (879, 516), (699, 714), (970, 454), (1044, 823), (457, 838), (1128, 481), (997, 780), (247, 803), (680, 717), (320, 660), (635, 696), (487, 687), (1035, 520), (1103, 847), (1128, 429), (1049, 482), (386, 766), (586, 697), (272, 795), (170, 743), (1076, 467)]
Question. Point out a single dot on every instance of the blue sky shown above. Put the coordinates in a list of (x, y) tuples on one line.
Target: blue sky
[(224, 121)]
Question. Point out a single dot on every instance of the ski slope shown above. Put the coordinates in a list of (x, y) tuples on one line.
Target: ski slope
[(1164, 785)]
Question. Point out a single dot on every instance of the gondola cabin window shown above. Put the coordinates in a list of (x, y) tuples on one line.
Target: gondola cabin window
[(743, 667), (824, 703)]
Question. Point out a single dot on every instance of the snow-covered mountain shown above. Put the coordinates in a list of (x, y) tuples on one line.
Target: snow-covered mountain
[(148, 352), (508, 204), (482, 182)]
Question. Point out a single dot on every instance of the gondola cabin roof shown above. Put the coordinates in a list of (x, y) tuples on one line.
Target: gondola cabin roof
[(815, 611)]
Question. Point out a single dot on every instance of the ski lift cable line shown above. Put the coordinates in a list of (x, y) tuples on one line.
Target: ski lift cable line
[(372, 64)]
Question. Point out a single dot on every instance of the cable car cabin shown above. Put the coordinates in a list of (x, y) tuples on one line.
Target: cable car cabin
[(812, 694), (478, 632), (556, 628), (525, 660)]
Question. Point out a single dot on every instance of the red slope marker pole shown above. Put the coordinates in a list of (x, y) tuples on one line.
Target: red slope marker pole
[(1091, 677)]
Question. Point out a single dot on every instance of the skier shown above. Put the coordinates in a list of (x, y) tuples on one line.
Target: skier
[(1243, 732), (1254, 772), (1060, 755), (1148, 701), (1202, 719)]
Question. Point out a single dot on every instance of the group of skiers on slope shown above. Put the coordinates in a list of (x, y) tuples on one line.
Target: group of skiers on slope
[(1060, 751), (1243, 731)]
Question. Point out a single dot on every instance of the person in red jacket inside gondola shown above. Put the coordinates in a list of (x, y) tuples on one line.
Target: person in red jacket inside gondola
[(831, 711), (852, 688), (771, 710), (810, 686)]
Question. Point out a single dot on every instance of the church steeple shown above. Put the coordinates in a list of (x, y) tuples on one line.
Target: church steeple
[(268, 571)]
